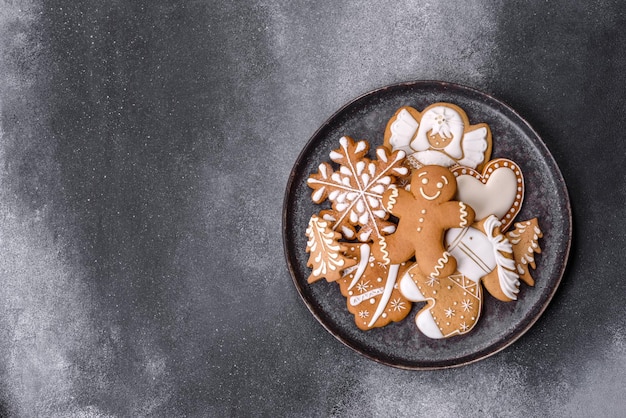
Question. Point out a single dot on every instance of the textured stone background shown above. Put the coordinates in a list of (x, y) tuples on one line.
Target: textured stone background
[(144, 151)]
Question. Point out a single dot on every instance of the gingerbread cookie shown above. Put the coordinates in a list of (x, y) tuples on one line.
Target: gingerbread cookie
[(498, 190), (327, 258), (525, 240), (424, 215), (484, 255), (371, 289), (421, 219), (439, 135), (453, 304), (355, 190)]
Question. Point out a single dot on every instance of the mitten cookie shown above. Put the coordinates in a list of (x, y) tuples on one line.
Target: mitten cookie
[(454, 302)]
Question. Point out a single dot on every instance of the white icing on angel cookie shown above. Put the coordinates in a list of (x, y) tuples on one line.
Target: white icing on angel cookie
[(440, 135)]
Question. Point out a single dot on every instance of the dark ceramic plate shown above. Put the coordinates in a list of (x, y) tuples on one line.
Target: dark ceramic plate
[(401, 344)]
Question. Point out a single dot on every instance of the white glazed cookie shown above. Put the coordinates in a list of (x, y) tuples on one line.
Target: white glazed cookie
[(498, 190)]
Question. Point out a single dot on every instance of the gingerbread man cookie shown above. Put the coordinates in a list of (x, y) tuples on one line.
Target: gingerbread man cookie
[(425, 213)]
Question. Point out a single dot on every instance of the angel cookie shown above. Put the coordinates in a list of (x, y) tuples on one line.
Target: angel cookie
[(439, 135)]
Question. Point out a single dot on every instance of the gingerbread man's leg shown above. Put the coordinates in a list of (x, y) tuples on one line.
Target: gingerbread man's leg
[(436, 263)]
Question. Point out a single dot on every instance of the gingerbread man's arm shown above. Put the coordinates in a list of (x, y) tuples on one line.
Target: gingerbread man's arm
[(397, 201), (455, 214)]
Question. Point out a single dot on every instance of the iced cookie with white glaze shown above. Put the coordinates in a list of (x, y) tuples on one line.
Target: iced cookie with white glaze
[(425, 213), (454, 302), (376, 242), (498, 190), (372, 289), (441, 134)]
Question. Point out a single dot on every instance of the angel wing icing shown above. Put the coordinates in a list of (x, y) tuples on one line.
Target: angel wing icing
[(442, 136), (402, 131)]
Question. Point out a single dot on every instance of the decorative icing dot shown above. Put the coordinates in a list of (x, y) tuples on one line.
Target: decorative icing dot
[(372, 301), (506, 163), (380, 279), (419, 229), (423, 211), (496, 165), (447, 323), (449, 287), (371, 264), (424, 181), (384, 315), (434, 292), (350, 293), (464, 171), (421, 219)]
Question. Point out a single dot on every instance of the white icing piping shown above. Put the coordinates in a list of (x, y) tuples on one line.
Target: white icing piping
[(507, 276), (383, 249), (391, 281), (440, 264), (355, 300), (392, 198), (365, 255), (463, 215), (427, 197)]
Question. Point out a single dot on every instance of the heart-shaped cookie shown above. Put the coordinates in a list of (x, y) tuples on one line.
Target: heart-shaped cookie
[(498, 190)]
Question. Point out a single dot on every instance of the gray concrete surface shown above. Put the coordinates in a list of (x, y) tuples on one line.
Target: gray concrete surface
[(144, 151)]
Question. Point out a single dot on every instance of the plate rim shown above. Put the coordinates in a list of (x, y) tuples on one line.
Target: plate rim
[(491, 349)]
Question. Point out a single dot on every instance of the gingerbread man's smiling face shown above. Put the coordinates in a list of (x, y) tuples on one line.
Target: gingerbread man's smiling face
[(433, 183)]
